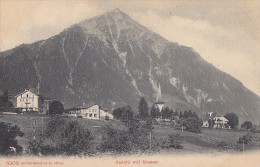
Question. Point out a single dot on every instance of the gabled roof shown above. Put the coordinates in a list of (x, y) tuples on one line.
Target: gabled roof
[(159, 102), (25, 92), (221, 118), (86, 107)]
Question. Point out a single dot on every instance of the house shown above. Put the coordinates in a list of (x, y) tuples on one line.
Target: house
[(90, 112), (29, 101), (205, 124), (221, 122), (159, 105)]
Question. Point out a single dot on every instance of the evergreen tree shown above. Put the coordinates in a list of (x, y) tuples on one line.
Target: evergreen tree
[(181, 114), (155, 113), (6, 97), (143, 109), (232, 120), (123, 113), (56, 107)]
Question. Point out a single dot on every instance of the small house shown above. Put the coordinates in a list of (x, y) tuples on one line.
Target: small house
[(90, 112)]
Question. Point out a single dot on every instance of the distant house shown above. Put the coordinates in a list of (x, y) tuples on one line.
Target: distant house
[(159, 105), (205, 124), (90, 112), (29, 101), (221, 122)]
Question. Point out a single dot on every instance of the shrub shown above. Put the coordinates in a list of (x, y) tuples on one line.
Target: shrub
[(107, 118), (193, 124), (114, 140), (8, 142), (173, 141), (246, 139), (135, 138), (124, 113), (56, 107), (63, 138), (247, 125)]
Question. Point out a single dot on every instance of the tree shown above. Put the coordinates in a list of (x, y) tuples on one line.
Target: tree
[(181, 114), (246, 139), (123, 113), (63, 138), (247, 125), (5, 104), (193, 124), (8, 140), (143, 109), (136, 137), (232, 120), (189, 114), (114, 140), (56, 107), (155, 113), (211, 123)]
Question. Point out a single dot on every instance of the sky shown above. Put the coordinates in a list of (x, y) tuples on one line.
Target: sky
[(225, 33)]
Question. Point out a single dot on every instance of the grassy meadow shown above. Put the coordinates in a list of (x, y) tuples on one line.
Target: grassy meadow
[(204, 142)]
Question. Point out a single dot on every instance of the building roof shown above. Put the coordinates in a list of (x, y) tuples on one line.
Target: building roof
[(159, 102), (25, 92), (221, 118), (86, 107)]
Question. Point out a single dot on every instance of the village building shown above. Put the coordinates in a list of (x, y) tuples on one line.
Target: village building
[(29, 101), (218, 121), (90, 112), (221, 122), (159, 105)]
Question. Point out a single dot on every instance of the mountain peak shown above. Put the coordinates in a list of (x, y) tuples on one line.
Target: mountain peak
[(116, 11)]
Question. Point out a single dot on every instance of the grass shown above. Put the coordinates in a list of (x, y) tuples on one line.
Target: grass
[(206, 141)]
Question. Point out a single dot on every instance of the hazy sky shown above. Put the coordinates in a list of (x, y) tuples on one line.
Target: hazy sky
[(225, 33)]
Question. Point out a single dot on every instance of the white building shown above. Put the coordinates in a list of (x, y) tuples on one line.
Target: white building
[(90, 112), (221, 122), (29, 101), (159, 105)]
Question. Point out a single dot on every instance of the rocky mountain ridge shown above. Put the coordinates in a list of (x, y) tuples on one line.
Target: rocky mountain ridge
[(112, 60)]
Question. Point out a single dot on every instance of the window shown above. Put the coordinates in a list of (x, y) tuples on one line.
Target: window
[(93, 110), (27, 95), (90, 115), (95, 115), (86, 114)]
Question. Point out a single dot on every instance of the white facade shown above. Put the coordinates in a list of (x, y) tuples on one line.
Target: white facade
[(221, 122), (91, 112), (160, 105), (27, 101)]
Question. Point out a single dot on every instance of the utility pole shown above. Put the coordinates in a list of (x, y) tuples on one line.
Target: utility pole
[(42, 125), (151, 140), (243, 147)]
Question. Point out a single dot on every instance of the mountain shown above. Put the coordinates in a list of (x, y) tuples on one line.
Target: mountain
[(112, 60)]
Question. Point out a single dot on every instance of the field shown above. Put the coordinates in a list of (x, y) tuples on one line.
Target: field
[(205, 142)]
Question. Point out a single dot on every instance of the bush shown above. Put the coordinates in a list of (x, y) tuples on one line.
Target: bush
[(136, 138), (56, 107), (124, 113), (247, 139), (107, 118), (247, 125), (63, 138), (8, 142), (173, 141), (193, 124), (114, 140)]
